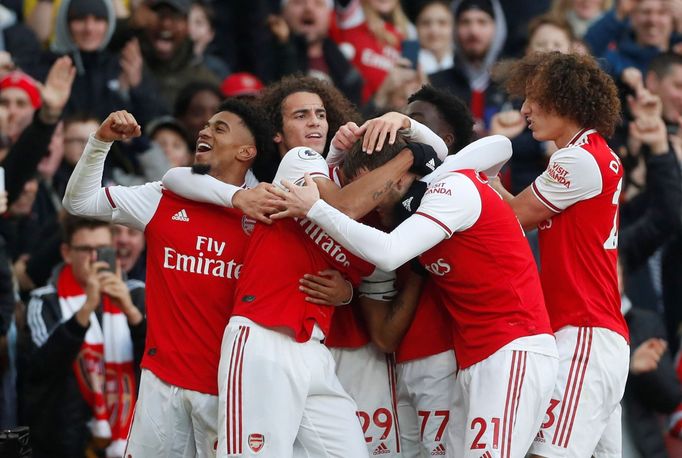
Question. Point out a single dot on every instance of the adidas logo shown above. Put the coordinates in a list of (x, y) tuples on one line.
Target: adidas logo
[(438, 451), (540, 437), (407, 203), (486, 455), (431, 164), (381, 450), (181, 216)]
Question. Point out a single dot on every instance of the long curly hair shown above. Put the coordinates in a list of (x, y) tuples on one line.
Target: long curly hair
[(339, 109), (569, 85)]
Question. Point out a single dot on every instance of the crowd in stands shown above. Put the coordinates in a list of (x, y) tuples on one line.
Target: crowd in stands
[(66, 64)]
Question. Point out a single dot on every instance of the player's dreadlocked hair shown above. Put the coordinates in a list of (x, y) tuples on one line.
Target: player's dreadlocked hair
[(452, 111), (267, 160), (569, 85), (357, 160), (339, 109)]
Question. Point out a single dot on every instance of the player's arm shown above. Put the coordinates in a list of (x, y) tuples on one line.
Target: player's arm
[(388, 321), (257, 202), (85, 195), (439, 215), (571, 176)]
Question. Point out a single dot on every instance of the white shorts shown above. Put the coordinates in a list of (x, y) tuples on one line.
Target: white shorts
[(368, 376), (278, 395), (583, 417), (499, 404), (172, 422), (425, 400)]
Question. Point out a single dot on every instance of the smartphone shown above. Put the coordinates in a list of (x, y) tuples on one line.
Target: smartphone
[(107, 254), (2, 179), (410, 51)]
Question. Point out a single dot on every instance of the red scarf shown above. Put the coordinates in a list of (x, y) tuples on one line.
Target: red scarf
[(104, 366)]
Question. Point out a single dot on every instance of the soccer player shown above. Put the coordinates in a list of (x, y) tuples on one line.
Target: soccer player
[(195, 254), (574, 204), (474, 250)]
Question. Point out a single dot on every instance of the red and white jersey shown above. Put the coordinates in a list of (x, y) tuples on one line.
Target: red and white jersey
[(195, 253), (578, 246), (484, 268), (430, 332), (282, 253)]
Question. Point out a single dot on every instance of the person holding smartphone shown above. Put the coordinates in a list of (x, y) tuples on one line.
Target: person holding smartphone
[(87, 332)]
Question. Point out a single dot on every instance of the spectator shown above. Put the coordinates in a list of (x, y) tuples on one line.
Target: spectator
[(172, 137), (18, 41), (629, 46), (196, 103), (548, 33), (302, 45), (87, 332), (105, 81), (479, 37), (201, 28), (370, 33), (435, 31), (168, 50), (20, 96), (580, 14), (130, 251)]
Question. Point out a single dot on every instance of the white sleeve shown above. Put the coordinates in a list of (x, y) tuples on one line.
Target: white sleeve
[(201, 188), (487, 155), (379, 286), (452, 203), (85, 195), (335, 156), (298, 161), (386, 251), (571, 176), (419, 133)]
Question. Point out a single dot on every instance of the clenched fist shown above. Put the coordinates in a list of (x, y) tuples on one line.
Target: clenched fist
[(119, 125)]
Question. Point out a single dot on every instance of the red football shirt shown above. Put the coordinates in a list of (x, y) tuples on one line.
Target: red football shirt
[(195, 253), (281, 253), (484, 269), (579, 245)]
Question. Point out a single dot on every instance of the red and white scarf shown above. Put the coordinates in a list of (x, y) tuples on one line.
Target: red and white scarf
[(104, 366)]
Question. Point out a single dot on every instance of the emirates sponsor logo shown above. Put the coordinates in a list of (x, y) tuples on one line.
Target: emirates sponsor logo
[(201, 264), (181, 216), (438, 451), (256, 442), (382, 449), (324, 241)]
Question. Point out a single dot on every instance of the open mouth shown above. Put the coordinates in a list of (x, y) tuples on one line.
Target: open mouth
[(203, 147), (314, 135)]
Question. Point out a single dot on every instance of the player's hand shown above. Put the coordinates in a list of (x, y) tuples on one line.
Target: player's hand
[(327, 288), (647, 355), (347, 135), (508, 123), (119, 125), (299, 200), (258, 202), (383, 128)]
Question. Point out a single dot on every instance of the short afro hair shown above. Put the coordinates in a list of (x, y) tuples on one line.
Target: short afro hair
[(339, 109), (267, 160), (569, 85), (452, 110)]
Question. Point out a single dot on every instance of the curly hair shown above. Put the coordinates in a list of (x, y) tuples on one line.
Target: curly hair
[(267, 160), (339, 109), (452, 110), (568, 85)]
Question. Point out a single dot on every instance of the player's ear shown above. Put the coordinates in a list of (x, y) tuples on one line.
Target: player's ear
[(278, 138), (246, 153), (449, 139)]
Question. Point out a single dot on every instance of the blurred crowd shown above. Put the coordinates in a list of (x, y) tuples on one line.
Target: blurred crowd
[(66, 64)]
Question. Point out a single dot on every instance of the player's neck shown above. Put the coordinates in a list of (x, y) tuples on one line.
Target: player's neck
[(567, 135)]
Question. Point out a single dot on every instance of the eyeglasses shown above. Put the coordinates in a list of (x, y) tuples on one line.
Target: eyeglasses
[(87, 248)]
